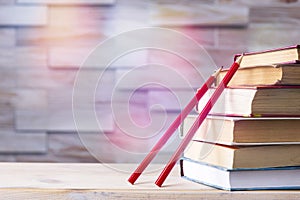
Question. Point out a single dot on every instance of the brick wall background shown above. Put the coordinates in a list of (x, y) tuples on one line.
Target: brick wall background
[(43, 43)]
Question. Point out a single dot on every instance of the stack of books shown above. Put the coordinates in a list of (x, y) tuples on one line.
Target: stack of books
[(251, 139)]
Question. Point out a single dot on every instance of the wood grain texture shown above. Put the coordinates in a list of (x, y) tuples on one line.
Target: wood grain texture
[(7, 158), (7, 2), (64, 147), (137, 121), (31, 120), (39, 59), (57, 114), (45, 78), (31, 15), (233, 38), (142, 126), (127, 14), (11, 142), (191, 63), (266, 3), (204, 36), (91, 148), (279, 15), (66, 176), (154, 77), (63, 27), (6, 117), (60, 181), (18, 99), (72, 57), (262, 36), (174, 100), (8, 78), (224, 56), (145, 195), (25, 57), (59, 36), (7, 37), (98, 84), (63, 120), (68, 2), (190, 2), (199, 15), (30, 99), (106, 20), (71, 16), (130, 96)]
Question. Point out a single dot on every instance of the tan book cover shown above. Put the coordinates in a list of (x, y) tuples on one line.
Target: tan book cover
[(235, 157), (281, 74), (256, 101), (274, 56), (244, 130)]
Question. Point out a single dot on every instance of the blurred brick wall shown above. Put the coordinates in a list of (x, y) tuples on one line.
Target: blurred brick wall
[(43, 43)]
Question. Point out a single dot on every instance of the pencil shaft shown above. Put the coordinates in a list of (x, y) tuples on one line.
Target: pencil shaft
[(163, 140), (166, 171)]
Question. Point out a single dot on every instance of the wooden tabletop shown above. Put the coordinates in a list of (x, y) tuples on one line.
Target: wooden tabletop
[(108, 181)]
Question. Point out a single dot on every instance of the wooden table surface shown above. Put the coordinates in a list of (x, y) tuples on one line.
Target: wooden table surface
[(108, 181)]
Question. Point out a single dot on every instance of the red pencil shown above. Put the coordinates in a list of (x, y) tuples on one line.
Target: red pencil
[(163, 140), (164, 174)]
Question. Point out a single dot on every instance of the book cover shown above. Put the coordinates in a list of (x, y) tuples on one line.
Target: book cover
[(282, 49), (256, 101), (245, 130), (285, 55), (281, 74), (279, 178), (233, 157)]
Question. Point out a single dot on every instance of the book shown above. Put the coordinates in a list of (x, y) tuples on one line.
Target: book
[(249, 141), (236, 157), (273, 56), (250, 179), (281, 74), (245, 131), (256, 101)]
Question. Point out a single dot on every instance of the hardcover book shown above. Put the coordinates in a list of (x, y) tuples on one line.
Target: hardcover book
[(274, 56), (281, 74), (251, 139), (256, 101), (245, 130), (250, 179), (235, 157)]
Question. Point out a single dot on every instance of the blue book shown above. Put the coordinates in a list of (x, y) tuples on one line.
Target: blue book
[(241, 179)]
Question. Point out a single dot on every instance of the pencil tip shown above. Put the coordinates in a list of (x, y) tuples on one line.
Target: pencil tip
[(217, 72), (239, 60)]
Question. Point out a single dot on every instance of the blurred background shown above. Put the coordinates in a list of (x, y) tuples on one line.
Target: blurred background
[(43, 43)]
